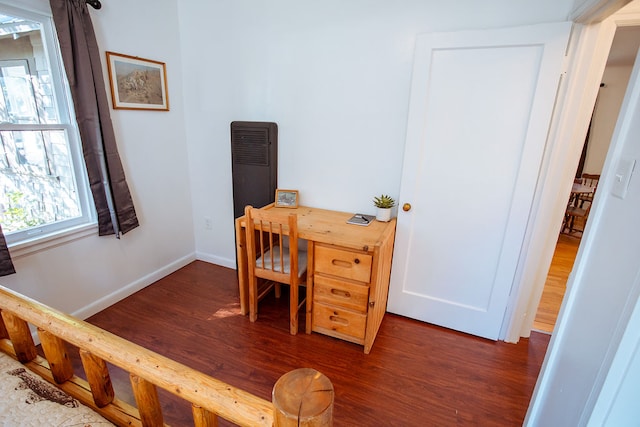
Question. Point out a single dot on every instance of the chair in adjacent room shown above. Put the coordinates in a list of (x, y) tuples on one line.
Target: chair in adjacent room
[(590, 180), (273, 255), (577, 211)]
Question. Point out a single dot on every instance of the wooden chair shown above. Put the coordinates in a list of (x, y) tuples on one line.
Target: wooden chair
[(575, 211), (590, 180), (267, 232)]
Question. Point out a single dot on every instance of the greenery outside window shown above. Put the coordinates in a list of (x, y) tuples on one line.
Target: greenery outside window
[(43, 187)]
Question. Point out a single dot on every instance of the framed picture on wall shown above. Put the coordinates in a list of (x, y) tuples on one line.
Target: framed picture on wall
[(286, 198), (137, 83)]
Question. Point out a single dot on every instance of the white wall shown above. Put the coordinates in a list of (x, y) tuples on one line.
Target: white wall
[(88, 274), (605, 116), (334, 75), (617, 403)]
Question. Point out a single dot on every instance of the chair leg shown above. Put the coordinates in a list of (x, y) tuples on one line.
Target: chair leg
[(253, 300), (293, 309)]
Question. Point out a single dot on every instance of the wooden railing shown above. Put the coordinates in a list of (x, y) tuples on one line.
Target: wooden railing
[(209, 397)]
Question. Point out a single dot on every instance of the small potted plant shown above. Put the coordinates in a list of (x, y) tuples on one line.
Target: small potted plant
[(384, 204)]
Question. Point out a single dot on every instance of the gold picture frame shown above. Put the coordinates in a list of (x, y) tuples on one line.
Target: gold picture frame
[(137, 83), (286, 198)]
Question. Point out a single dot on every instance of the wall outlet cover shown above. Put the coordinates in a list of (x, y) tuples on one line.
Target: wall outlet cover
[(622, 177)]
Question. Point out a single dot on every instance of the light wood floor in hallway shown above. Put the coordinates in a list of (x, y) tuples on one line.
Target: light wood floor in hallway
[(556, 284)]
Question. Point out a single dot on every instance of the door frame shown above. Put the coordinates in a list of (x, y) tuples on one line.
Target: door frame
[(591, 11), (586, 59)]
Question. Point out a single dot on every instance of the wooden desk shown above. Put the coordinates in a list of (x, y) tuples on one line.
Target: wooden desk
[(348, 272)]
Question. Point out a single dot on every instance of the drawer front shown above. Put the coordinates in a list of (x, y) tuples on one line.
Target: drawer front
[(339, 293), (343, 263), (339, 320)]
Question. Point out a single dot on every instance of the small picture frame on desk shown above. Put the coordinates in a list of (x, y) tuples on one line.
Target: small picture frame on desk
[(286, 198)]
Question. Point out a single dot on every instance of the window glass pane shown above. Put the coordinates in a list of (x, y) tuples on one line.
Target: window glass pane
[(42, 189), (19, 100), (26, 93), (39, 186)]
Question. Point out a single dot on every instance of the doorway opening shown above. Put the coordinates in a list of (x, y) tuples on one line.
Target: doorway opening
[(615, 79)]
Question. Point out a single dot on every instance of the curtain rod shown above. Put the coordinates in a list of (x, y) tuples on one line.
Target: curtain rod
[(94, 4)]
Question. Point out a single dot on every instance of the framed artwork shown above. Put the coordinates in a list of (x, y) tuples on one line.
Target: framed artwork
[(137, 83), (286, 198)]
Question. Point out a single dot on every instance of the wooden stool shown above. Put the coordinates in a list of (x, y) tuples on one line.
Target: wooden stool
[(303, 397)]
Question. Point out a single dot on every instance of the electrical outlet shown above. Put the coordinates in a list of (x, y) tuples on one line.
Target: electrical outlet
[(208, 224)]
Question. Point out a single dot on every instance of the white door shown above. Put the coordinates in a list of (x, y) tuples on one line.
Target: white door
[(481, 102)]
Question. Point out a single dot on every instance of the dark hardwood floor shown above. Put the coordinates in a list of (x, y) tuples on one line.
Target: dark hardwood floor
[(416, 374)]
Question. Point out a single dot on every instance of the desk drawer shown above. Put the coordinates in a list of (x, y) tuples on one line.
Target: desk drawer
[(343, 263), (338, 320), (344, 294)]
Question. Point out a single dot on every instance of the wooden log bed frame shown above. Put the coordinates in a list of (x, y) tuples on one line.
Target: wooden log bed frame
[(209, 397)]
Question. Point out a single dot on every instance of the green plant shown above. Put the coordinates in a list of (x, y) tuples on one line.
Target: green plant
[(16, 216), (384, 202)]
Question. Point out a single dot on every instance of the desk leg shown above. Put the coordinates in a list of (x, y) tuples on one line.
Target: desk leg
[(243, 279), (310, 269)]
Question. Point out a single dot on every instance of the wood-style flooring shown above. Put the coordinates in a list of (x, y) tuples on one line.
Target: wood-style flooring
[(556, 283), (416, 374)]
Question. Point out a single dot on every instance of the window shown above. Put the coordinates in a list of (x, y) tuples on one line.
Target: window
[(43, 188)]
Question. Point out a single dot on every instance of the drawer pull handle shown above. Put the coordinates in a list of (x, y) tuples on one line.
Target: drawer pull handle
[(341, 263), (340, 320), (341, 293), (357, 261)]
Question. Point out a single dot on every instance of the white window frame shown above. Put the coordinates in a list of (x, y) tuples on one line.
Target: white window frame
[(41, 237)]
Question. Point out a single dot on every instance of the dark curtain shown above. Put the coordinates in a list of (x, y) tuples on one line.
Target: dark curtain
[(6, 266), (81, 57)]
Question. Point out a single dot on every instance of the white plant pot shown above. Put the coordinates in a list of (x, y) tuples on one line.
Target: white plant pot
[(383, 214)]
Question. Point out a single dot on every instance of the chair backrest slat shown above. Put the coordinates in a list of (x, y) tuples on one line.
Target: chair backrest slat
[(261, 243), (590, 179), (280, 243), (270, 229)]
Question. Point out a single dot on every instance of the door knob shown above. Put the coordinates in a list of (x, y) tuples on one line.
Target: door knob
[(406, 207)]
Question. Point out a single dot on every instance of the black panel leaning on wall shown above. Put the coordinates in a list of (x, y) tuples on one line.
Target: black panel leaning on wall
[(254, 163)]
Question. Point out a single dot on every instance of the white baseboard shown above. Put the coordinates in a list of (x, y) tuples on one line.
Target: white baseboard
[(224, 262), (133, 287)]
